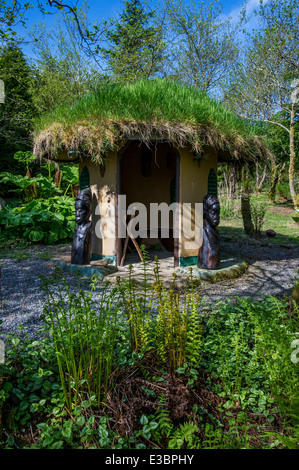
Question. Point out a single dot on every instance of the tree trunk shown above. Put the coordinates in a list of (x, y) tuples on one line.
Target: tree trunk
[(226, 181), (245, 179), (233, 180), (280, 173), (260, 180), (246, 215), (274, 179), (292, 158)]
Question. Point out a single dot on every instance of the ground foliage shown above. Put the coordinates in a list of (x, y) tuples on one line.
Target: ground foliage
[(238, 388)]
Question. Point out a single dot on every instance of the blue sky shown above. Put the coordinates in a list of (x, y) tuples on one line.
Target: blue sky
[(99, 10)]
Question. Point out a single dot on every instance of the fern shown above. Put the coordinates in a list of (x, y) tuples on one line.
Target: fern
[(185, 434), (194, 336), (165, 426)]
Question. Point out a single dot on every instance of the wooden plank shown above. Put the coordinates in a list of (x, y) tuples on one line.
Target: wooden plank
[(130, 236), (124, 250), (177, 215)]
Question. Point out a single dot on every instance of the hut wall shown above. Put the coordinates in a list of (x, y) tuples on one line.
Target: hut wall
[(193, 183), (193, 188), (104, 200)]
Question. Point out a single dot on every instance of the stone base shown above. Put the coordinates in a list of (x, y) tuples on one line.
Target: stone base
[(231, 266), (87, 270)]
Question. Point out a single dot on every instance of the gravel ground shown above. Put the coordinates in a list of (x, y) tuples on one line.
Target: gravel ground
[(271, 272)]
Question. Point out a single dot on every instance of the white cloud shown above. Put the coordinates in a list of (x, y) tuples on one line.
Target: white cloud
[(251, 5)]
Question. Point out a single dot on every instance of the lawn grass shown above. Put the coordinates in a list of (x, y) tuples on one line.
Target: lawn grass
[(278, 217)]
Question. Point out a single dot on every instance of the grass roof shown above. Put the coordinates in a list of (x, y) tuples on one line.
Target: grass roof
[(146, 110)]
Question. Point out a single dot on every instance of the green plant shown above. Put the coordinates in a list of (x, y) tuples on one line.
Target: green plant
[(236, 438), (48, 220), (20, 255), (296, 218), (160, 428), (175, 332), (236, 389), (84, 341), (283, 190), (252, 344), (137, 306), (40, 185), (185, 434), (258, 213), (70, 177)]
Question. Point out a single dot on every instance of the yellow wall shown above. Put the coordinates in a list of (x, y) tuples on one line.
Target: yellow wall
[(193, 188), (104, 199)]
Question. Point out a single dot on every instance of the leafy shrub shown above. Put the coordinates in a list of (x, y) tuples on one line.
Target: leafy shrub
[(248, 346), (30, 188), (43, 185), (237, 371), (46, 221), (283, 190), (296, 218), (85, 339), (258, 214), (227, 210)]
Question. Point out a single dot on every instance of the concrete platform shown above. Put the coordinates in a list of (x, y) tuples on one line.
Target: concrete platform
[(231, 266)]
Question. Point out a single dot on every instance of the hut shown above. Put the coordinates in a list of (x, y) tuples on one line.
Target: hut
[(153, 141)]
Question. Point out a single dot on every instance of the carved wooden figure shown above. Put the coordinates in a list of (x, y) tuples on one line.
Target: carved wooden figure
[(209, 252), (81, 247)]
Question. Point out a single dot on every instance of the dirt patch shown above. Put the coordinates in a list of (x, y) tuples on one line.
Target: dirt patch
[(281, 210), (134, 395)]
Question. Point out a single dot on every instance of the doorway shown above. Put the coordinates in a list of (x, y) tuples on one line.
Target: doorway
[(150, 174)]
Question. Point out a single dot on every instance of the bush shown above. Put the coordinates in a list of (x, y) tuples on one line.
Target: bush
[(258, 213), (283, 190), (47, 221), (296, 218), (114, 382)]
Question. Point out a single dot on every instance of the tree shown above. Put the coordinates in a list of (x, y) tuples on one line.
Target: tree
[(264, 83), (279, 144), (11, 15), (63, 71), (203, 46), (135, 43), (18, 110)]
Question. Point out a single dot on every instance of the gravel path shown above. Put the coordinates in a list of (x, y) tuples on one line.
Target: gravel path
[(271, 272)]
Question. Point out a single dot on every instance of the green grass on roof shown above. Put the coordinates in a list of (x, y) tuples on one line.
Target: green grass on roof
[(99, 121)]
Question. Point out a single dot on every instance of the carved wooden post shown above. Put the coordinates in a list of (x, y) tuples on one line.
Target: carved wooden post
[(81, 247), (246, 214), (209, 252)]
